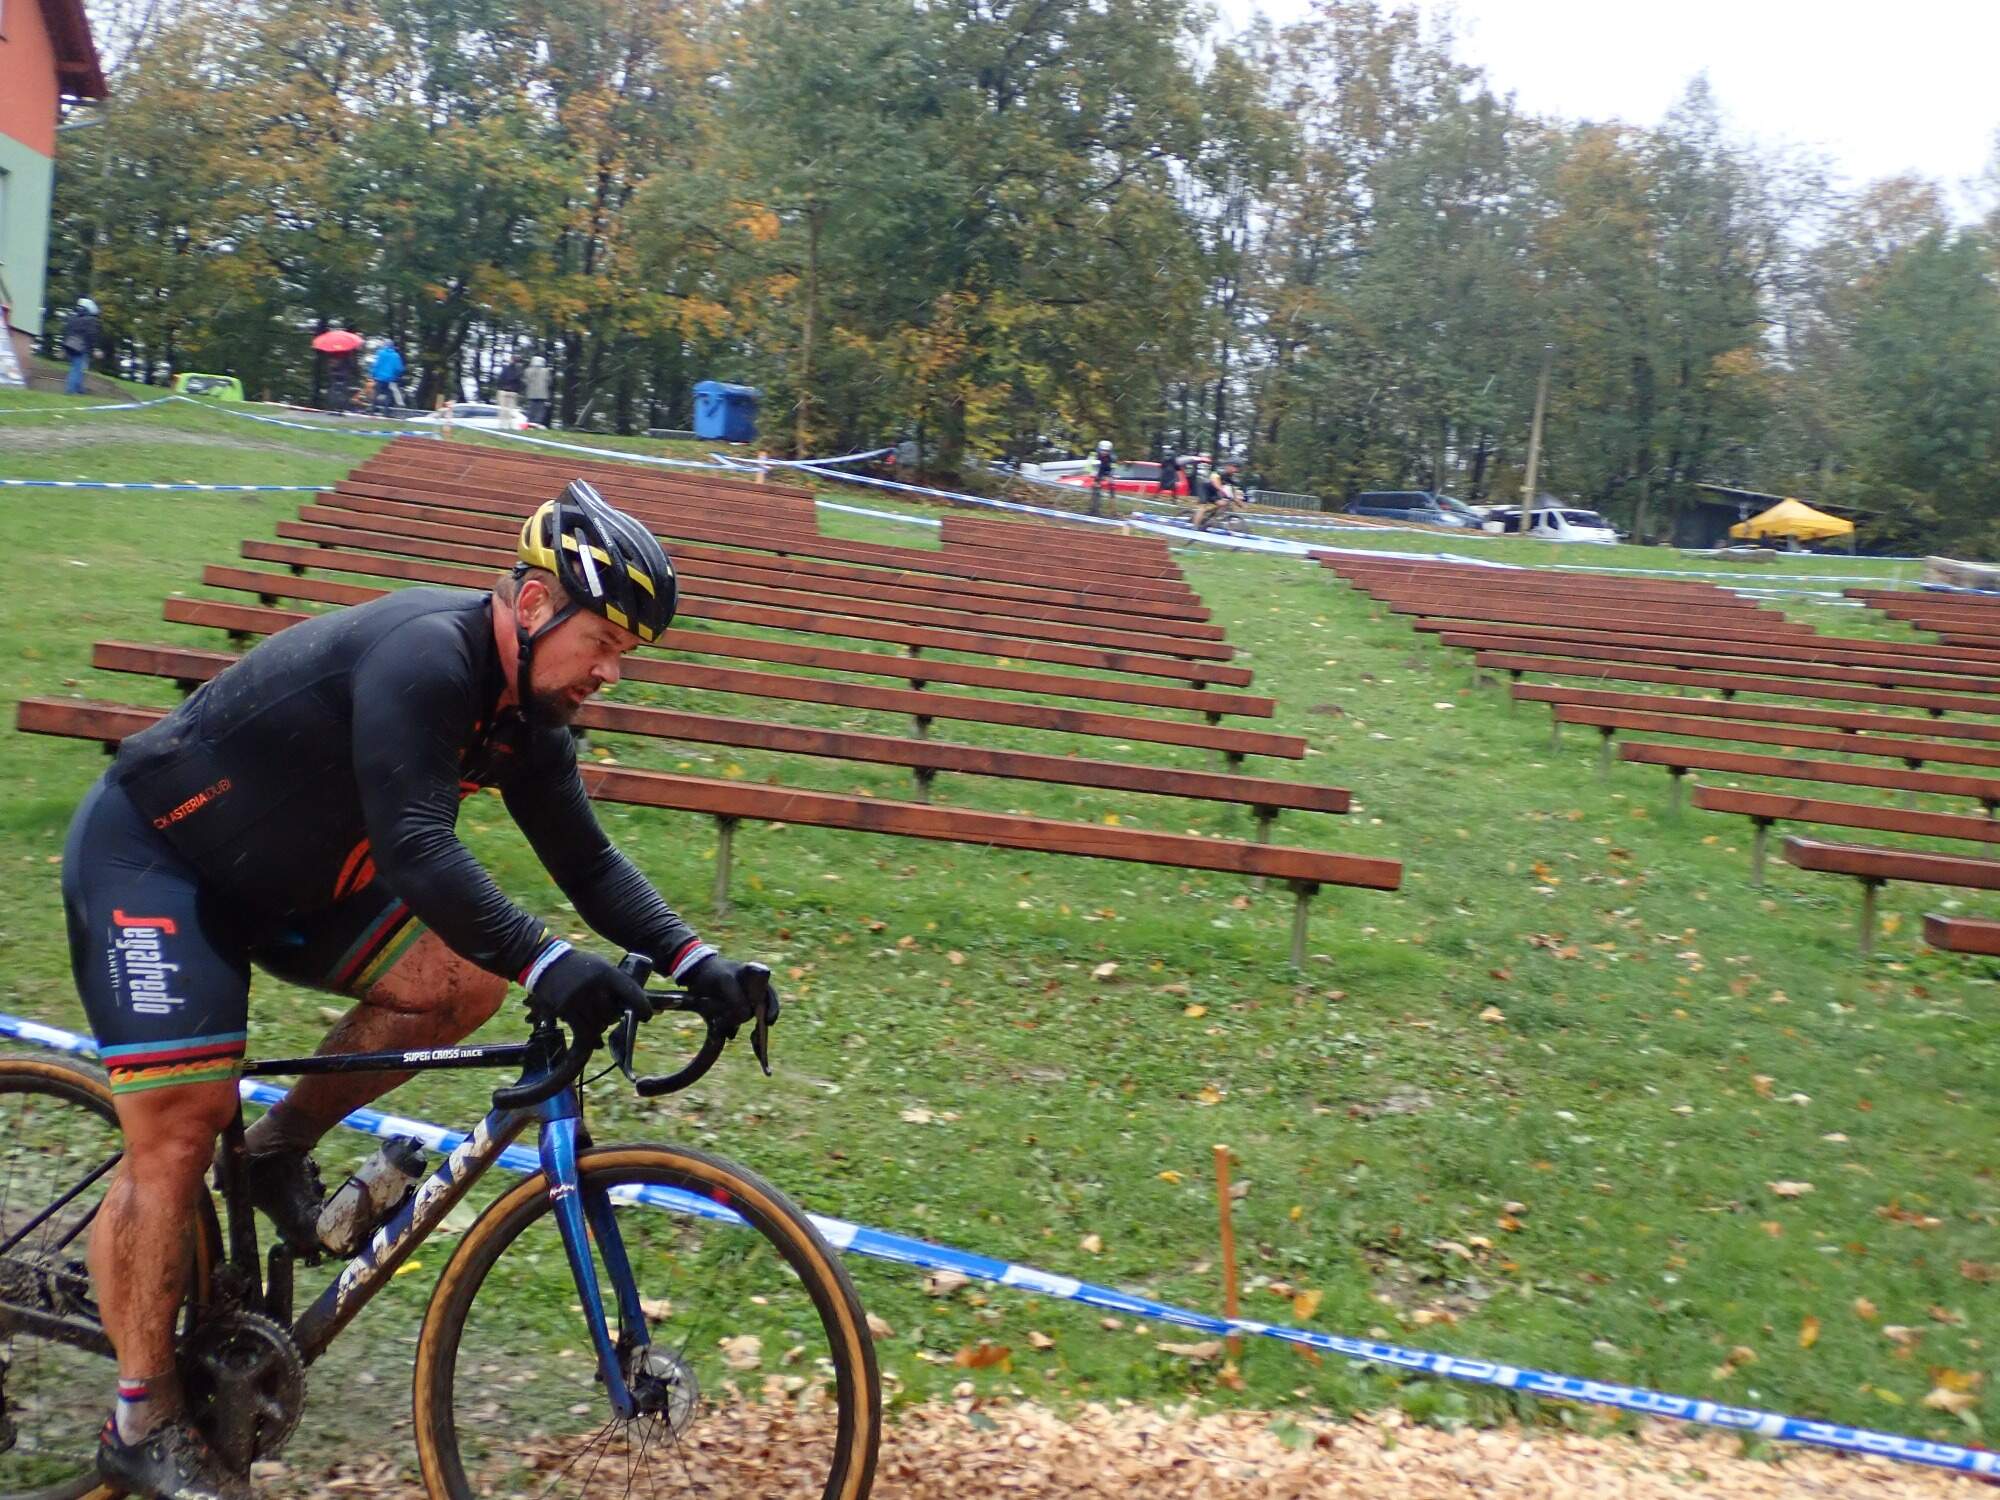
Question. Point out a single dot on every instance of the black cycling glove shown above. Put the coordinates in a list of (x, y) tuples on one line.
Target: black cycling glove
[(585, 992), (723, 980)]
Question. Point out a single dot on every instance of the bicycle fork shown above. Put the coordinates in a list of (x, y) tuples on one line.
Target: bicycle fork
[(584, 1215)]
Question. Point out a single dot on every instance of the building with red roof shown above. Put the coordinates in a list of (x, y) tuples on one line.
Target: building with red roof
[(46, 56)]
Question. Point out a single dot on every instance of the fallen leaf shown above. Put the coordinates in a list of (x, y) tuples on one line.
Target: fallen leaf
[(1954, 1402), (1808, 1331), (1790, 1189), (1093, 1243), (1109, 1325), (982, 1356), (744, 1352), (944, 1283), (1898, 1333), (880, 1328), (918, 1115), (1194, 1012), (1206, 1349), (1209, 1094), (1039, 1340), (1104, 971), (1493, 1013), (954, 957), (1978, 1270), (1864, 1309), (1305, 1304), (1170, 1175)]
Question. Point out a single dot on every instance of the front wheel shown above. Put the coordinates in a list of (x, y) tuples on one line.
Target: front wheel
[(752, 1359)]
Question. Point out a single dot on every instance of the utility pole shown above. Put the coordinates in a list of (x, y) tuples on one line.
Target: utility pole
[(1533, 477)]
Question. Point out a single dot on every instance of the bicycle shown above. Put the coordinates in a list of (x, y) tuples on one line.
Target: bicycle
[(776, 1395)]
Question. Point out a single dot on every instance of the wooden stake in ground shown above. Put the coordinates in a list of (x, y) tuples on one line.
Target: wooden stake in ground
[(1223, 1201)]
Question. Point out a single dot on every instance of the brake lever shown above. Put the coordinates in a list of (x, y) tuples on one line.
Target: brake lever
[(624, 1042), (760, 1034), (638, 967)]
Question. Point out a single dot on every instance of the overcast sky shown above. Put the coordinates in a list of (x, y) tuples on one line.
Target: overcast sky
[(1877, 88)]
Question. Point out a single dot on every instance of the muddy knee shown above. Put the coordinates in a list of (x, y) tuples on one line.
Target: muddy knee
[(432, 980)]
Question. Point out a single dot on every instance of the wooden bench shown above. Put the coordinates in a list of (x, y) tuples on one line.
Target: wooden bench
[(1815, 663), (1876, 867), (730, 802), (1680, 759), (461, 544), (923, 707), (1555, 586), (713, 565), (712, 524), (1434, 618), (1773, 713), (330, 555), (1962, 934), (1967, 695), (917, 671), (1613, 667), (1766, 808), (746, 550), (188, 667), (1914, 753)]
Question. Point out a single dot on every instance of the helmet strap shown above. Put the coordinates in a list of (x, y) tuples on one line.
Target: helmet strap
[(524, 655)]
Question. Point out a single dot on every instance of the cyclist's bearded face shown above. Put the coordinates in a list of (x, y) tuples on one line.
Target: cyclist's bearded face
[(573, 661)]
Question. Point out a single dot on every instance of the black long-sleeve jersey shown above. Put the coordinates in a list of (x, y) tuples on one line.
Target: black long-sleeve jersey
[(337, 752)]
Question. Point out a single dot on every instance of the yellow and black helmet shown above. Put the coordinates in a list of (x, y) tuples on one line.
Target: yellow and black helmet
[(608, 563)]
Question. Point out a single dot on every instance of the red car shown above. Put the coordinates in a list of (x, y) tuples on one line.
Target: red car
[(1133, 479)]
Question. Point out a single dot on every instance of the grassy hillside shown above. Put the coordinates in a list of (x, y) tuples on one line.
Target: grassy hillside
[(1531, 1107)]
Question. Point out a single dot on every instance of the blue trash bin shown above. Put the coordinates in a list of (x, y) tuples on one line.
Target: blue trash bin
[(724, 411)]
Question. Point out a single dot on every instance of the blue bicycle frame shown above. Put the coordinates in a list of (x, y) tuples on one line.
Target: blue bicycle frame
[(583, 1217)]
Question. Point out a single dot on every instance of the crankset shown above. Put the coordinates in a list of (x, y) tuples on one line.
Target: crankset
[(245, 1385)]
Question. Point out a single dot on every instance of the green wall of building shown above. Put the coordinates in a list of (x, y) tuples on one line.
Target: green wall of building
[(24, 231)]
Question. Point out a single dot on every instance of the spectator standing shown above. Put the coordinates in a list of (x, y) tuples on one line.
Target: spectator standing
[(507, 389), (1170, 475), (387, 372), (1100, 481), (537, 387), (82, 333)]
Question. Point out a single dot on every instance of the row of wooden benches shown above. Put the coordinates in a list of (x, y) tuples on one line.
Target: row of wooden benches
[(365, 552), (1586, 620)]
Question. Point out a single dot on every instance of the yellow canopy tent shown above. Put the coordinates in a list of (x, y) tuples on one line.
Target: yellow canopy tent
[(1792, 518)]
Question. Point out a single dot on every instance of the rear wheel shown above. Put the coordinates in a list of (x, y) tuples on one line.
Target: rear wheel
[(752, 1360), (59, 1152)]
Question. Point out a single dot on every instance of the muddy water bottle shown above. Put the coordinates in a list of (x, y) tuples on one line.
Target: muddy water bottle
[(367, 1198)]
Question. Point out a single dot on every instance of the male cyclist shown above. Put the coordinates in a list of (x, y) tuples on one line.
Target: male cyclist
[(298, 812)]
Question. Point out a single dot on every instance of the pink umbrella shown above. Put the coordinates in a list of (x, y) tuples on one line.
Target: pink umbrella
[(337, 341)]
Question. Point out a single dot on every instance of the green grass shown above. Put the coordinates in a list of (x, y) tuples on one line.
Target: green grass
[(1576, 1004)]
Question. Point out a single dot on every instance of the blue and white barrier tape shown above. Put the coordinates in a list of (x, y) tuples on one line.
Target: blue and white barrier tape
[(1153, 528), (106, 484), (880, 1244), (68, 410), (227, 409), (658, 459)]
